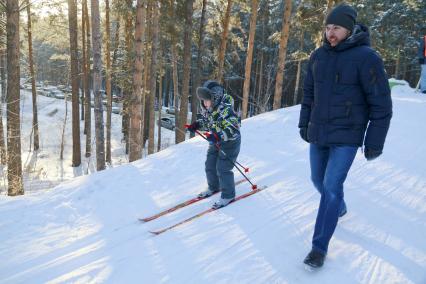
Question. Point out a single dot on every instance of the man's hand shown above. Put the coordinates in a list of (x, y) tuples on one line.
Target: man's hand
[(304, 133), (371, 154)]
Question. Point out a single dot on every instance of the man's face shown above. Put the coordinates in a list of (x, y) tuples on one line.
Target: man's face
[(335, 34)]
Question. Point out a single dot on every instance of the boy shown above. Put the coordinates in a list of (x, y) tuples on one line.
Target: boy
[(219, 118)]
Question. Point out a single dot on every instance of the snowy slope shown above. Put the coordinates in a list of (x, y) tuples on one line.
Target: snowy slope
[(85, 230)]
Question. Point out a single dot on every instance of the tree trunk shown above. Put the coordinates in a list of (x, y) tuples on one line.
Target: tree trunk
[(3, 157), (199, 71), (249, 59), (3, 59), (282, 55), (72, 18), (187, 44), (146, 76), (176, 96), (260, 85), (222, 50), (108, 82), (97, 79), (167, 88), (88, 121), (135, 146), (116, 44), (299, 69), (83, 65), (160, 103), (127, 84), (397, 63), (32, 75), (14, 163), (64, 127), (153, 75)]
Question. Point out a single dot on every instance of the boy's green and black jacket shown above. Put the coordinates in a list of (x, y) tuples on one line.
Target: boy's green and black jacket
[(222, 118)]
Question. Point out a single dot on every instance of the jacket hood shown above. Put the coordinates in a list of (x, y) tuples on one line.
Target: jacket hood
[(360, 36)]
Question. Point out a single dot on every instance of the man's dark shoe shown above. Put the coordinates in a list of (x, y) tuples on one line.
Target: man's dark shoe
[(343, 212), (343, 209), (314, 259)]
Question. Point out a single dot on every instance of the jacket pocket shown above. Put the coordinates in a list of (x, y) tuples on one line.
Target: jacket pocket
[(341, 111)]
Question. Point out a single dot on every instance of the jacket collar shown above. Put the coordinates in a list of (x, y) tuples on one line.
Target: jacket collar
[(360, 36)]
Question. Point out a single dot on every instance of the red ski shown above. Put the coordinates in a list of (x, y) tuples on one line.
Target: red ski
[(180, 205), (207, 211)]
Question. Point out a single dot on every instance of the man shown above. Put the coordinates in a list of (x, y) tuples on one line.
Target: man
[(218, 116), (346, 103), (422, 62)]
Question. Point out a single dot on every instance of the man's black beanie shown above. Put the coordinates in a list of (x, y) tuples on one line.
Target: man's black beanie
[(342, 15)]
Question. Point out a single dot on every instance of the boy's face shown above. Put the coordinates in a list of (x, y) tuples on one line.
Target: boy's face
[(207, 103), (335, 34)]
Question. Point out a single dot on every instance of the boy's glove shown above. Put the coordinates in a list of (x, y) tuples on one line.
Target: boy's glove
[(371, 154), (192, 127), (213, 137)]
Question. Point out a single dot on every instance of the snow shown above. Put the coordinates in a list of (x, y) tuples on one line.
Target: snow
[(44, 169), (85, 230)]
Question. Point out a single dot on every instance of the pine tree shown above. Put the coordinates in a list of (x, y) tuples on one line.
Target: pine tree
[(135, 146), (14, 162), (97, 73), (197, 75), (224, 40), (32, 76), (282, 55), (108, 81), (249, 58), (187, 44), (72, 18)]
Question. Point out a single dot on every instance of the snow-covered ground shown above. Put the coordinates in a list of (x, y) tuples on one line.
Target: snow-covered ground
[(44, 169), (86, 231)]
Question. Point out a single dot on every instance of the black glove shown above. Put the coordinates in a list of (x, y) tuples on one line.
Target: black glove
[(193, 126), (421, 61), (371, 154), (304, 133)]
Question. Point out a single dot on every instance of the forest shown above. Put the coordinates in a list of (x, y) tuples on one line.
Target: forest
[(137, 58)]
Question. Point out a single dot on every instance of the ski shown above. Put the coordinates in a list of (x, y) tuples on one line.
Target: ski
[(180, 205), (158, 232)]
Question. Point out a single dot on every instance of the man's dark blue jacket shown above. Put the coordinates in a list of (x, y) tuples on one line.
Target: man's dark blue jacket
[(347, 94)]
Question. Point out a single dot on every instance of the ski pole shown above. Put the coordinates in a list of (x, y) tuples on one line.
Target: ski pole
[(253, 186), (246, 170)]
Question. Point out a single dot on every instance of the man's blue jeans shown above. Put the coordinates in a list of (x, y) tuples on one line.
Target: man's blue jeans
[(329, 168), (423, 78), (219, 168)]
